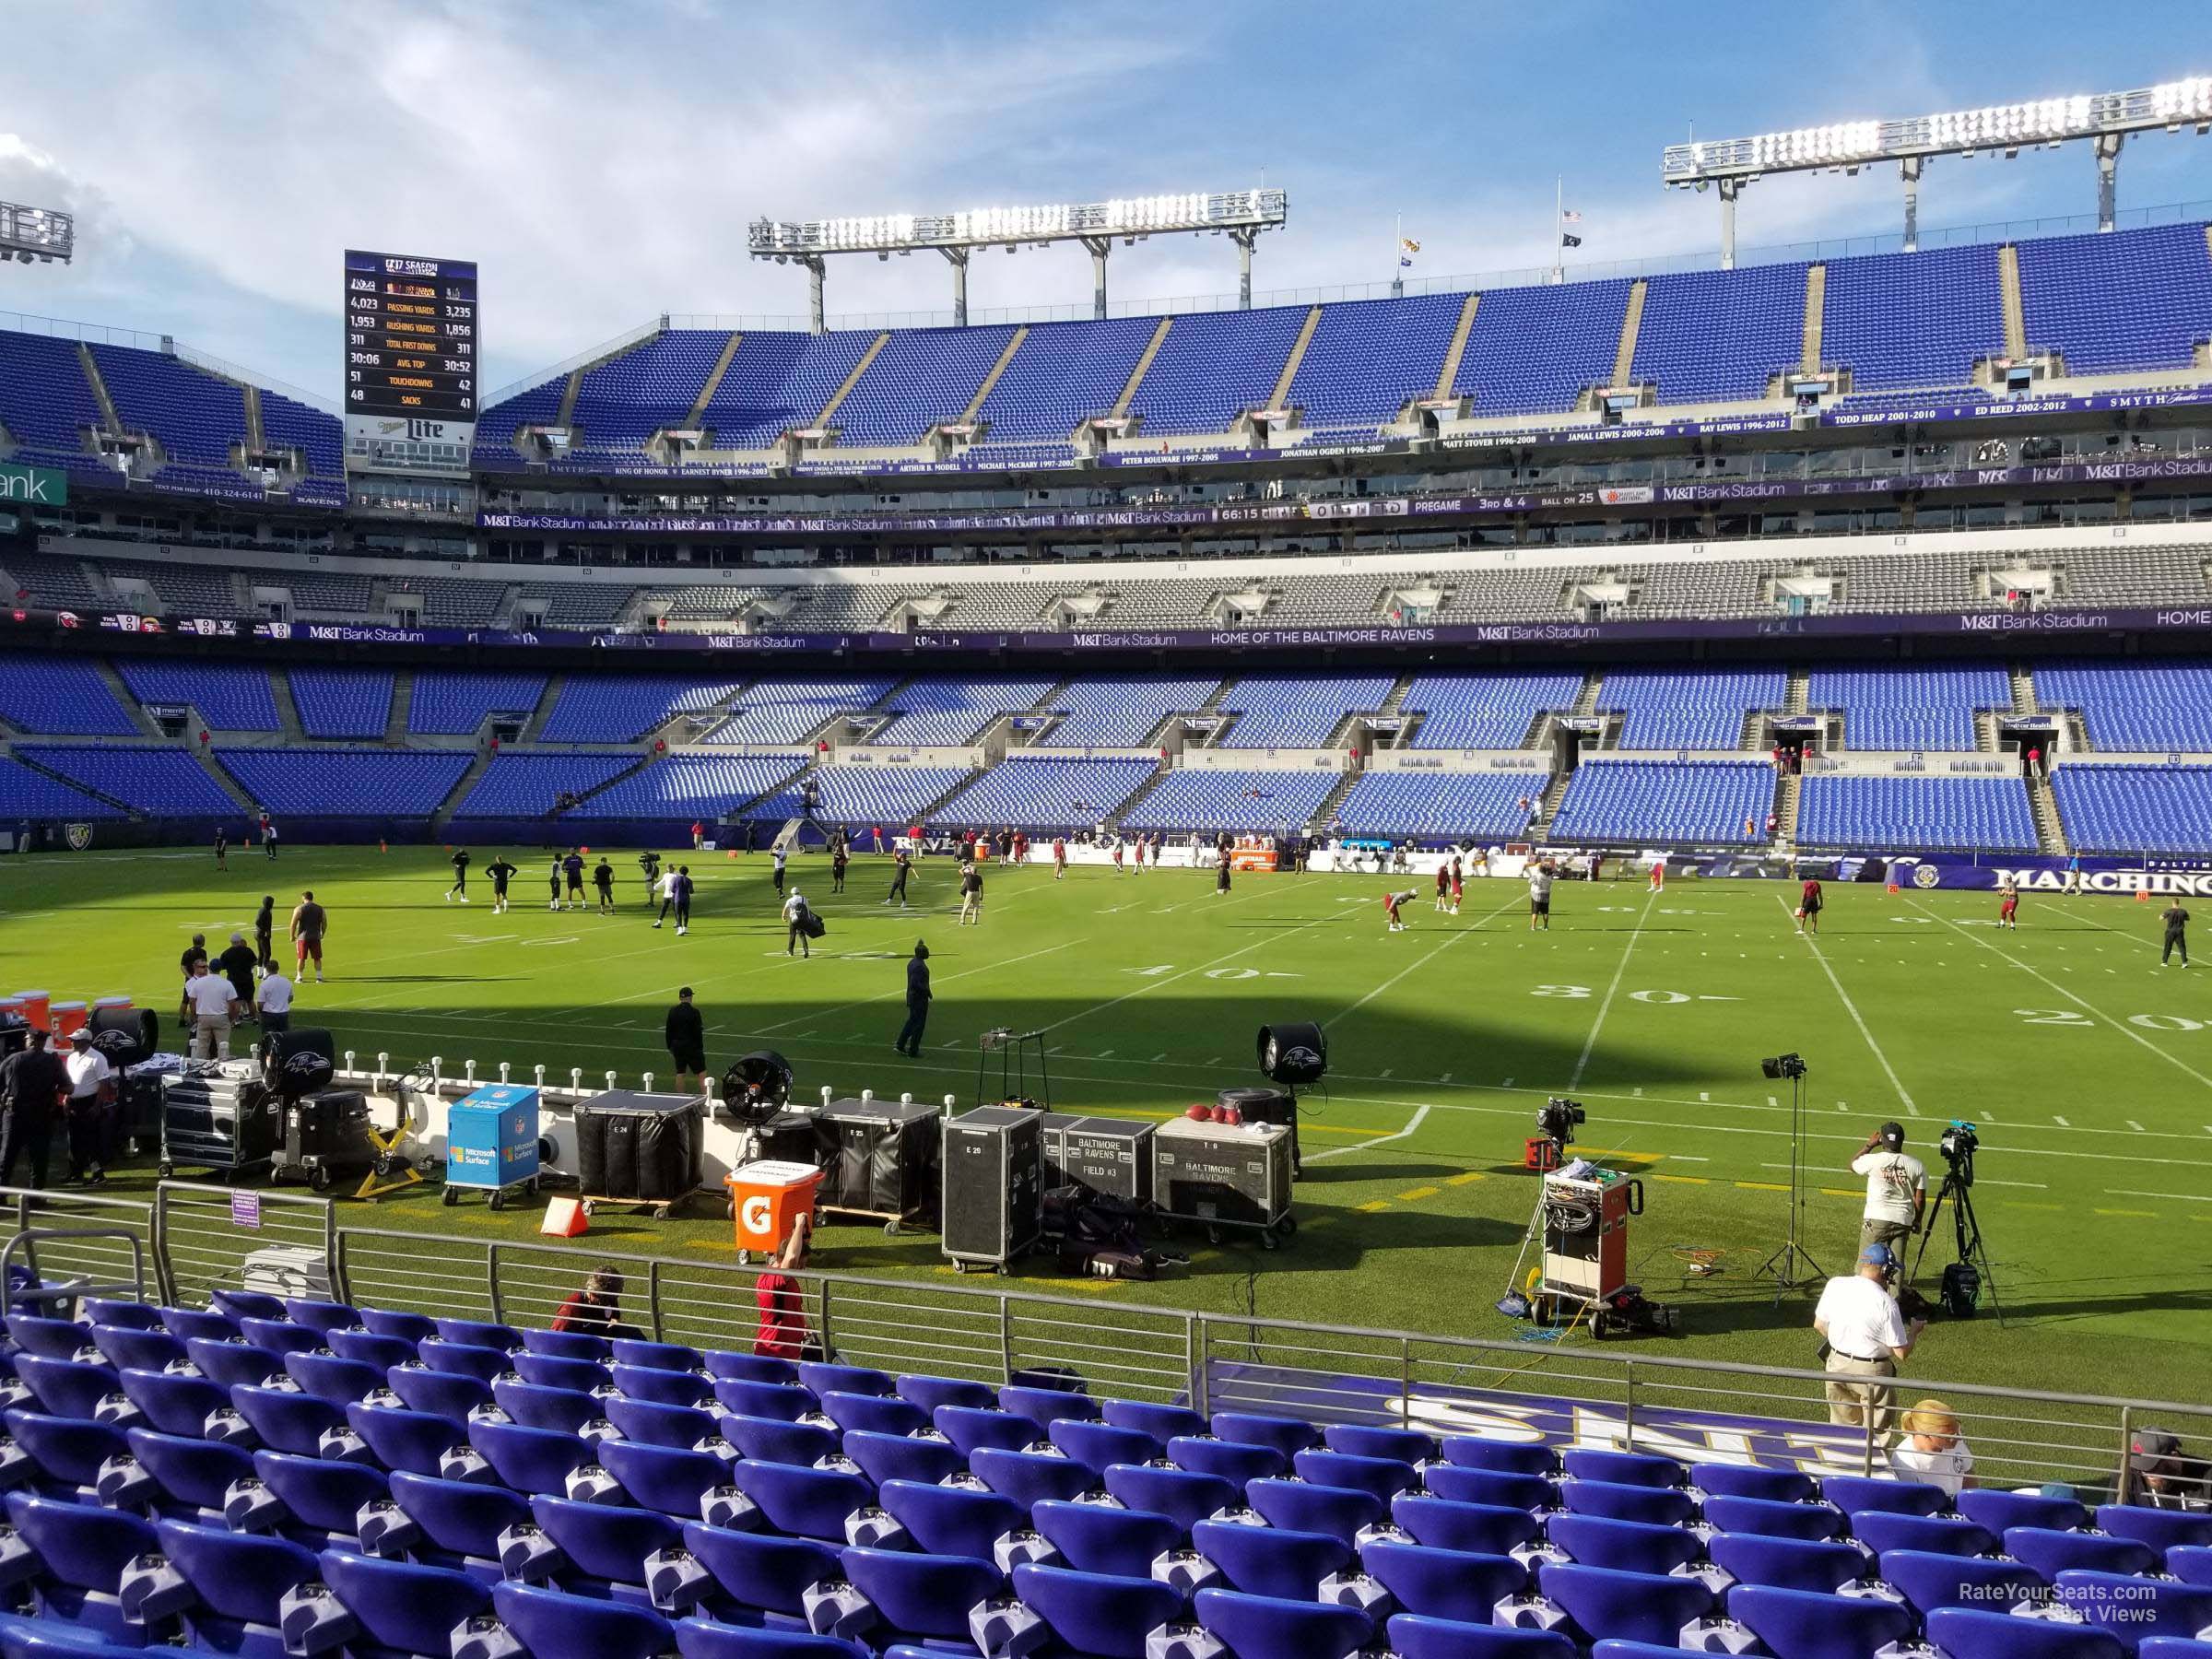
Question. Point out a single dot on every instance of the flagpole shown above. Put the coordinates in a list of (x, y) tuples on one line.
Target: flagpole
[(1397, 258), (1559, 229)]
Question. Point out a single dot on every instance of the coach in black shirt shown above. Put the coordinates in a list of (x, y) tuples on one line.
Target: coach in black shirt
[(917, 1002), (685, 1034), (32, 1082)]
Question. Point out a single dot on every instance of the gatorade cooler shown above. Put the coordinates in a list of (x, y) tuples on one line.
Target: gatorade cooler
[(33, 1006), (767, 1198), (68, 1017), (110, 1002)]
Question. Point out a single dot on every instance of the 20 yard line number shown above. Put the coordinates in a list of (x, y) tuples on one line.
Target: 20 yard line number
[(2074, 1020)]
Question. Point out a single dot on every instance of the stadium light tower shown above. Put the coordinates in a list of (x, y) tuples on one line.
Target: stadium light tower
[(41, 233), (2103, 119), (1241, 215)]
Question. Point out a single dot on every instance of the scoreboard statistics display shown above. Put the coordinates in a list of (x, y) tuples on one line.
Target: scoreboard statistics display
[(410, 362)]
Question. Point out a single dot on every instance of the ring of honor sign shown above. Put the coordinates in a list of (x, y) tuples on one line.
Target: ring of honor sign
[(411, 336)]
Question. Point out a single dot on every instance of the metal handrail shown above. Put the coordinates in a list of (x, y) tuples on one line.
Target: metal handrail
[(70, 1289)]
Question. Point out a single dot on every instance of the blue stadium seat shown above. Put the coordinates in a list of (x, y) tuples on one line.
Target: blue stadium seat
[(1659, 1506), (2136, 1608), (1748, 1481), (1443, 1583), (2192, 1563), (1415, 1636), (531, 1460), (874, 1414), (785, 1400), (772, 1440), (383, 1352), (1235, 1461), (1964, 1633), (131, 1348), (806, 1504), (704, 1639), (2160, 1528), (1338, 1510), (1468, 1528), (1768, 1518), (231, 1597), (2000, 1511), (884, 1457), (453, 1394), (1882, 1532), (1097, 1445), (1623, 1545), (328, 1377), (1798, 1624), (1288, 1435), (2051, 1552), (552, 1624), (1635, 1606), (570, 1344), (408, 1327), (80, 1551), (929, 1393), (1026, 1476), (1266, 1626), (1093, 1614), (1184, 1494), (1856, 1495), (320, 1498), (1820, 1565), (1359, 1440), (565, 1410), (463, 1359), (549, 1370), (668, 1478), (191, 1477), (1384, 1476), (400, 1607), (1270, 1560), (68, 1388), (1929, 1581), (921, 1595), (752, 1575), (174, 1403), (602, 1546), (417, 1441), (460, 1521), (1045, 1406), (1490, 1486), (953, 1519), (1503, 1457), (1094, 1537), (660, 1425)]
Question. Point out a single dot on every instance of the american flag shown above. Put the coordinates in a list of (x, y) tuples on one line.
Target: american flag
[(1568, 216)]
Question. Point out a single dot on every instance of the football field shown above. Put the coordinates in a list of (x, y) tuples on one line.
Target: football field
[(2087, 1065)]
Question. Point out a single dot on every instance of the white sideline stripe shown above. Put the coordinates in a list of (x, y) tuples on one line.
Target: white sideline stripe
[(1414, 966), (1418, 1117), (1598, 1025), (2131, 1192), (1853, 1009), (2127, 1031)]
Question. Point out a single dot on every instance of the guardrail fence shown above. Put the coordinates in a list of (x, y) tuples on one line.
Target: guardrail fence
[(196, 1238)]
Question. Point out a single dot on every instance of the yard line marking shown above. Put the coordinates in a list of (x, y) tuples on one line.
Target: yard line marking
[(1104, 1054), (1598, 1025), (2061, 1122), (1761, 1186), (2128, 1031), (1413, 1193), (1465, 1176), (900, 990), (2135, 1126), (1686, 1180), (1419, 1117), (2186, 1197), (1386, 1071), (1705, 1095), (1373, 1204), (1509, 1083), (1856, 1019), (2150, 1214), (1414, 966), (1170, 979), (1156, 1060)]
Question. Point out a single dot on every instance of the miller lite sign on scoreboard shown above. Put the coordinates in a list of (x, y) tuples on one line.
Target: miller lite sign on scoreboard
[(410, 363)]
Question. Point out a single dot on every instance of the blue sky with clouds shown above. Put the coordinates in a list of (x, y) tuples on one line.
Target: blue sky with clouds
[(600, 161)]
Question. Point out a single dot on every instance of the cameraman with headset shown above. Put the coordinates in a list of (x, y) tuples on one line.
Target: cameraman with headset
[(1865, 1336), (1896, 1189)]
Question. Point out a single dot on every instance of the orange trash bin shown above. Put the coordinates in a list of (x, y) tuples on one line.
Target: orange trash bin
[(767, 1198)]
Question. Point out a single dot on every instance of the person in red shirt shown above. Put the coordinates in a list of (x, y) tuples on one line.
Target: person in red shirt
[(1809, 900), (784, 1333), (1059, 857), (1392, 903), (596, 1310), (698, 835)]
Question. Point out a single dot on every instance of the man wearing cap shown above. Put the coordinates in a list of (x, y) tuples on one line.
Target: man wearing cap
[(2159, 1477), (1866, 1337), (32, 1082), (1896, 1189), (91, 1091), (237, 963), (917, 1002), (796, 915), (214, 1005), (685, 1035)]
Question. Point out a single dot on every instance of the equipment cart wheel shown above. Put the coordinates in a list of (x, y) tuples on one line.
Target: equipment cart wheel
[(131, 1145), (547, 1151), (319, 1178), (1213, 1235), (497, 1201), (166, 1171), (587, 1207), (1290, 1224), (1269, 1240), (890, 1228), (451, 1198)]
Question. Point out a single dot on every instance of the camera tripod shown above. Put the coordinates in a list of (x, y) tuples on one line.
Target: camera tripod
[(1966, 1227), (1783, 1266)]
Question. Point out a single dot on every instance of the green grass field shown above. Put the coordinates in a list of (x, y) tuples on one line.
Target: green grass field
[(2087, 1067)]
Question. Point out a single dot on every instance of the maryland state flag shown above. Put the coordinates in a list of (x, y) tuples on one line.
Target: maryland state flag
[(1407, 248)]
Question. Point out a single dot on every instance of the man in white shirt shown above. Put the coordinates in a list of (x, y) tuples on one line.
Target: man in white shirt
[(1868, 1336), (274, 1001), (91, 1087), (213, 1008), (667, 897), (1896, 1189), (1932, 1450), (1539, 897)]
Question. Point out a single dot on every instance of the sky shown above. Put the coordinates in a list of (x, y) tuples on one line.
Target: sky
[(600, 162)]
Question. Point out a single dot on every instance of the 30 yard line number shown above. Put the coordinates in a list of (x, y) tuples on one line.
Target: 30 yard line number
[(1574, 992)]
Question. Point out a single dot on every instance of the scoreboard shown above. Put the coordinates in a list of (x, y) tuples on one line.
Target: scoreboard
[(410, 368)]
